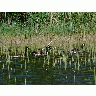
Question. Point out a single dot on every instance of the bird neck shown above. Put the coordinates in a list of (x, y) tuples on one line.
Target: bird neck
[(26, 52)]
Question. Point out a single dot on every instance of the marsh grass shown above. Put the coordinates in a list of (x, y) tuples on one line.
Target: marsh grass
[(61, 45), (64, 36), (13, 42), (60, 42)]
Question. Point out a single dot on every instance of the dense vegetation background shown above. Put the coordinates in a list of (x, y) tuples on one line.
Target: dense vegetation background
[(60, 23)]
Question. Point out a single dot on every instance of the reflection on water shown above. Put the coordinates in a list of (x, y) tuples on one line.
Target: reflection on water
[(54, 69)]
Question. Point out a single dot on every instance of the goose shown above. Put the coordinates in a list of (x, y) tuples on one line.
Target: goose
[(38, 53), (75, 50), (19, 55), (48, 48), (41, 53)]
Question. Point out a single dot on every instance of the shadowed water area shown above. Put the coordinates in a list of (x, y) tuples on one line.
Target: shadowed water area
[(57, 68)]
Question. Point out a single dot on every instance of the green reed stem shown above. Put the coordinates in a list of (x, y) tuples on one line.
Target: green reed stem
[(75, 66), (25, 64), (95, 79), (94, 72), (74, 77)]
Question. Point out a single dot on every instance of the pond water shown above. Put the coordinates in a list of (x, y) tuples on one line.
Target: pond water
[(48, 70)]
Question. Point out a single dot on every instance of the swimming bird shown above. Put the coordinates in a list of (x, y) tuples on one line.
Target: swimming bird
[(41, 53), (48, 48), (25, 55), (38, 53), (76, 50)]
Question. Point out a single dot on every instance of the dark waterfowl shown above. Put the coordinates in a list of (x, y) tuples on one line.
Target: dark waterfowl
[(19, 55), (75, 50), (41, 53), (38, 53), (48, 48), (16, 56), (82, 45)]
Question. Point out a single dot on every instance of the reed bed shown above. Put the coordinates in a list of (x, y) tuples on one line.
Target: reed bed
[(41, 41), (64, 35), (61, 45)]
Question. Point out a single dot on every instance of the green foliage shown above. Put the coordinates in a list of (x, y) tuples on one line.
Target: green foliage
[(47, 22)]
